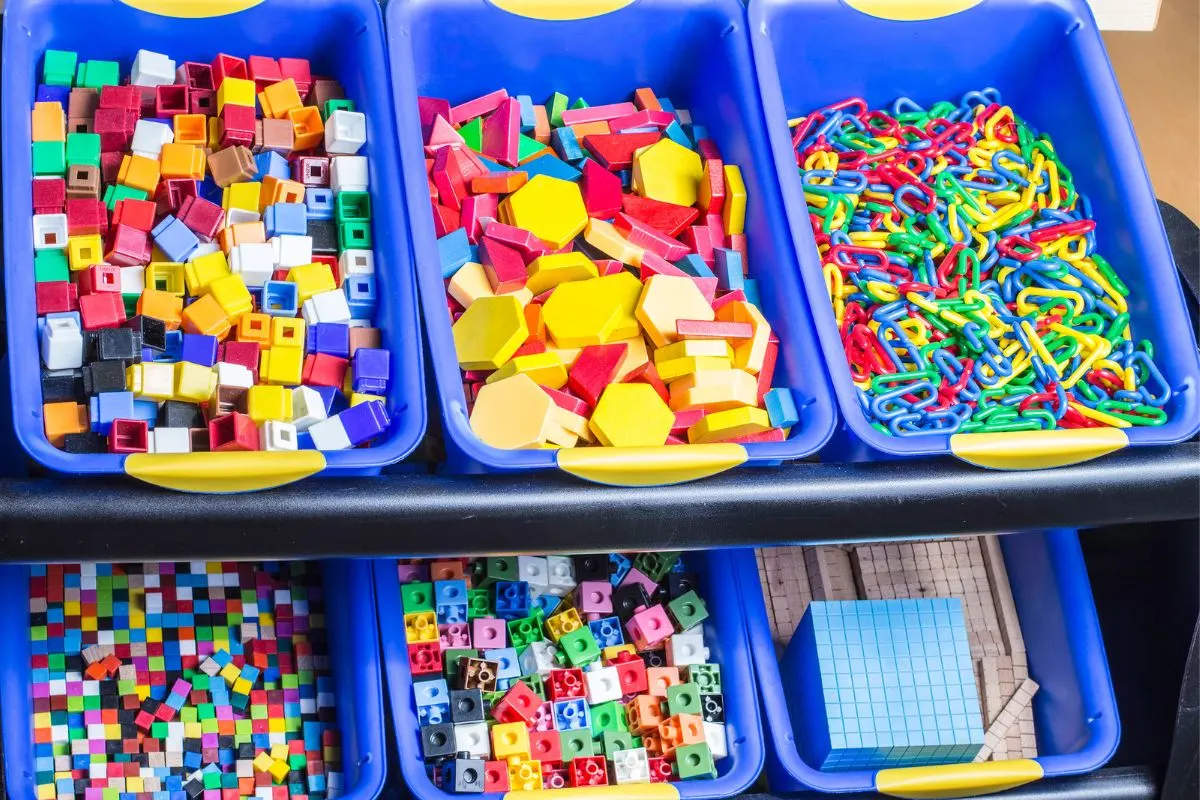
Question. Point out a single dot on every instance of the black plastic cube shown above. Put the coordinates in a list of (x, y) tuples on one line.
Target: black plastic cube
[(437, 741), (466, 705)]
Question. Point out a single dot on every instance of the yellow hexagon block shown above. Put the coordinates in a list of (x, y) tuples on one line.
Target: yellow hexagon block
[(608, 240), (631, 415), (714, 390), (550, 208), (734, 423), (668, 172), (595, 311), (549, 271), (692, 355), (665, 300), (512, 413), (748, 354), (489, 332), (546, 369)]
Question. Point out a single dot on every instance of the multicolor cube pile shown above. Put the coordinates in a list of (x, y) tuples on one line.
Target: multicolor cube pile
[(202, 254), (201, 680), (538, 672)]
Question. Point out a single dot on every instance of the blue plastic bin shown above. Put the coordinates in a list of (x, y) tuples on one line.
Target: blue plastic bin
[(697, 53), (354, 661), (343, 39), (724, 635), (1075, 712), (1047, 59)]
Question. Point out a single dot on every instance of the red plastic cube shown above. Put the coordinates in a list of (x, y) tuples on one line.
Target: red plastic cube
[(49, 195), (299, 70), (202, 217), (425, 658), (545, 746), (137, 214), (86, 217), (263, 71), (224, 66), (103, 310), (495, 777), (128, 247), (237, 126), (660, 770), (56, 296), (632, 676), (518, 704), (566, 684), (232, 432), (243, 353), (128, 98), (322, 369), (589, 771), (171, 100), (172, 194), (99, 278)]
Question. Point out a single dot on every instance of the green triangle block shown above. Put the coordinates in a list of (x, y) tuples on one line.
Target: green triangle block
[(527, 147), (472, 134), (580, 103)]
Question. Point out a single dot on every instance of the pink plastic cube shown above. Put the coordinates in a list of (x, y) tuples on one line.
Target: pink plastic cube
[(454, 634), (488, 634), (649, 627), (543, 717), (637, 576), (595, 597)]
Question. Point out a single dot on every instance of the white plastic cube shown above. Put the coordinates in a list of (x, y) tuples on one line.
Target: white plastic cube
[(684, 649), (149, 138), (631, 766), (62, 342), (133, 280), (328, 306), (356, 262), (236, 216), (345, 132), (348, 174), (277, 436), (49, 231), (172, 440), (234, 375), (714, 734), (538, 657), (473, 738), (292, 250), (534, 571), (204, 249), (307, 407), (603, 685), (254, 262), (561, 575), (329, 434), (152, 69)]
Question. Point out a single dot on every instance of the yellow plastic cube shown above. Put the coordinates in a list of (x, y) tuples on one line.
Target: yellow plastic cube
[(243, 196), (287, 332), (139, 172), (282, 365), (312, 279), (524, 774), (232, 295), (200, 273), (242, 686), (263, 761), (595, 311), (279, 98), (84, 251), (230, 673), (489, 332), (194, 383), (561, 624), (510, 739), (279, 769), (269, 403), (631, 415), (358, 398), (551, 209), (235, 92), (167, 276), (420, 626), (151, 380)]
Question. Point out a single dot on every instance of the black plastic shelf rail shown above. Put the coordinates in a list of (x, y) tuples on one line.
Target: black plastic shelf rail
[(53, 519)]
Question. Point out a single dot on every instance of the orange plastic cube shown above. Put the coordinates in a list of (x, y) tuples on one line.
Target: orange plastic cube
[(644, 713), (680, 730), (255, 327), (277, 190), (191, 129), (280, 98), (206, 316), (161, 305), (242, 233), (182, 161), (139, 172), (49, 123), (310, 130), (63, 418), (662, 678)]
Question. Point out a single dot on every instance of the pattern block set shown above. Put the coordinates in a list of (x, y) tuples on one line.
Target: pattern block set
[(202, 680), (550, 672), (597, 275), (205, 278)]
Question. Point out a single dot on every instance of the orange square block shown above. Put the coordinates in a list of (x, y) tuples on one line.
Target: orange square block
[(662, 678), (207, 317), (182, 161), (161, 305), (278, 190), (254, 327), (280, 98), (644, 713), (310, 130), (680, 730), (139, 172), (63, 418), (191, 129), (49, 123), (242, 233)]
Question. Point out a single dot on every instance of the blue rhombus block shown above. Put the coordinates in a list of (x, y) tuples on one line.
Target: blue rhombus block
[(884, 684)]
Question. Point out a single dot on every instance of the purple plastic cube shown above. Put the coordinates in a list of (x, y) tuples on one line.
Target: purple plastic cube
[(412, 573), (489, 634), (454, 634), (53, 94), (330, 338), (595, 597), (199, 348), (371, 367), (364, 421)]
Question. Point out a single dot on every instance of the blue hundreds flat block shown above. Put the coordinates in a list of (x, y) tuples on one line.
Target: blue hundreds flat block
[(885, 684)]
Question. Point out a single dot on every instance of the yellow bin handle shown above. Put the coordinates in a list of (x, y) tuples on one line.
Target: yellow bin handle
[(650, 466), (559, 10), (191, 9), (224, 473), (1036, 449), (957, 780), (909, 10)]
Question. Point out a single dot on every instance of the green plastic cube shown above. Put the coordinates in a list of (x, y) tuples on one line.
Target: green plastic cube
[(49, 158), (212, 780), (58, 67), (688, 610), (115, 194), (416, 597), (479, 603), (535, 683), (707, 677), (499, 568), (683, 698), (609, 716), (130, 302), (451, 659), (612, 741), (576, 744), (96, 74), (355, 236), (580, 647), (336, 105), (695, 761), (524, 631), (472, 134), (83, 149), (352, 207), (655, 566)]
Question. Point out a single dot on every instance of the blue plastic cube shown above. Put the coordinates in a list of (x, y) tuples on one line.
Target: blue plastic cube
[(371, 369), (513, 599), (885, 684), (607, 632), (546, 602), (572, 715), (318, 203), (428, 693), (620, 568), (174, 239), (781, 408), (271, 163), (330, 338), (361, 296), (107, 406), (281, 298), (508, 666), (286, 219), (199, 348)]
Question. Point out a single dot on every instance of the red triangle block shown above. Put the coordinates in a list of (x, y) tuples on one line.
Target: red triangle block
[(666, 218), (615, 150)]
